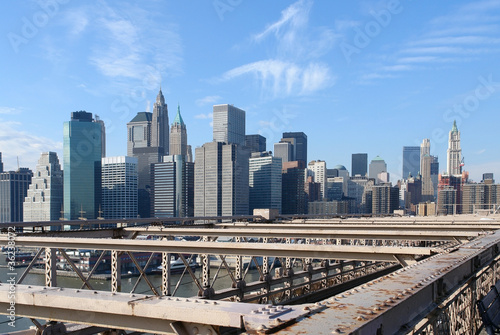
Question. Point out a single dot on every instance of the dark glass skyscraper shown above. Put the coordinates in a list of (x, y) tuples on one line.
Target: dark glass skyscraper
[(82, 149), (256, 143), (300, 145), (13, 188), (411, 161), (359, 164)]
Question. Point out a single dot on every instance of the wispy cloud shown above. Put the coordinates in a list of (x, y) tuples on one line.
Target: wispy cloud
[(295, 66), (284, 78), (464, 34), (208, 100), (17, 143), (9, 110)]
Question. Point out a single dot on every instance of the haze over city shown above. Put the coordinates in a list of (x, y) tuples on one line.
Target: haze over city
[(354, 76)]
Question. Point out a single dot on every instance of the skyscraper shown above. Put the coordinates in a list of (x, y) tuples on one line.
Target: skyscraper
[(13, 189), (256, 143), (173, 187), (411, 161), (454, 152), (139, 132), (377, 165), (265, 181), (385, 199), (178, 136), (317, 169), (300, 145), (148, 141), (1, 163), (44, 199), (160, 125), (221, 180), (82, 149), (119, 187), (284, 150), (425, 149), (229, 124), (359, 164), (294, 197)]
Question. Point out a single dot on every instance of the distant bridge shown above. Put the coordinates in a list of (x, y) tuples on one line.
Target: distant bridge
[(397, 275)]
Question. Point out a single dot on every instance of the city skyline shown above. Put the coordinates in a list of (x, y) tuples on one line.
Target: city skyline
[(291, 68)]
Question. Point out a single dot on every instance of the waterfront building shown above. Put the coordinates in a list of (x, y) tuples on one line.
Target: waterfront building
[(454, 157), (82, 149), (229, 124), (359, 164), (173, 187), (411, 161), (119, 187), (256, 143), (44, 199), (13, 189), (265, 181)]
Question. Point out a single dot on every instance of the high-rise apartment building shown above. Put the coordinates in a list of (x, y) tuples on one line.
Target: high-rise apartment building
[(411, 161), (256, 143), (178, 136), (451, 202), (385, 199), (173, 187), (44, 200), (265, 181), (119, 187), (359, 164), (317, 169), (477, 197), (221, 180), (377, 165), (454, 158), (82, 149), (13, 189), (229, 124), (299, 141)]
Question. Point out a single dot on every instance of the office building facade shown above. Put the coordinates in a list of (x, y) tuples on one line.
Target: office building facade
[(317, 169), (385, 199), (119, 187), (265, 181), (256, 143), (294, 197), (411, 162), (44, 200), (178, 136), (13, 189), (82, 150), (299, 142), (221, 180), (229, 124), (359, 164), (377, 165), (173, 187)]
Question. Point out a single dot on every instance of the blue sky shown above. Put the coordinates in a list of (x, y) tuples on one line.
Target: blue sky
[(355, 76)]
